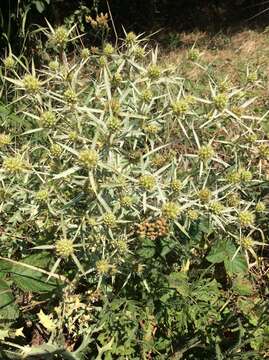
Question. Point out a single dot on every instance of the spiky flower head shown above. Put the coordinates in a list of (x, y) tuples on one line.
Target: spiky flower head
[(9, 62), (60, 36), (216, 207), (260, 207), (176, 185), (234, 177), (193, 54), (251, 138), (147, 182), (206, 153), (89, 158), (73, 136), (246, 218), (42, 195), (108, 49), (247, 242), (221, 101), (103, 266), (70, 96), (31, 84), (146, 95), (127, 201), (233, 200), (110, 220), (117, 78), (5, 139), (193, 214), (205, 195), (15, 164), (48, 119), (139, 52), (56, 150), (154, 72), (180, 107), (114, 123), (130, 38), (102, 61), (245, 175), (170, 210), (64, 247), (263, 150), (54, 65), (85, 53), (151, 129)]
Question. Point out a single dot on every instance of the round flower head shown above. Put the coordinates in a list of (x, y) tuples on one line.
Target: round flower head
[(146, 95), (130, 38), (117, 78), (89, 158), (264, 151), (48, 119), (103, 266), (233, 200), (176, 185), (205, 195), (126, 201), (139, 52), (70, 96), (151, 129), (247, 242), (31, 84), (216, 207), (245, 175), (9, 62), (14, 164), (54, 65), (170, 210), (64, 247), (180, 107), (234, 177), (114, 123), (108, 49), (206, 153), (147, 182), (246, 218), (42, 195), (85, 53), (193, 54), (260, 207), (60, 36), (5, 139), (110, 220), (154, 72), (56, 150), (193, 214), (220, 101)]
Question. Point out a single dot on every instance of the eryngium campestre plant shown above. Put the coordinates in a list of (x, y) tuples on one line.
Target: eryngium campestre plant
[(96, 156)]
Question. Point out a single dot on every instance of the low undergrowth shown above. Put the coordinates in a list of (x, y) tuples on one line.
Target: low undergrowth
[(133, 209)]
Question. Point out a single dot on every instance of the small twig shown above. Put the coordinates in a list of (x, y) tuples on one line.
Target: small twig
[(113, 24)]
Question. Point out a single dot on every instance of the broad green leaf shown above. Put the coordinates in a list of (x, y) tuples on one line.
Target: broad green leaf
[(31, 280), (221, 251), (179, 281), (242, 286), (8, 308)]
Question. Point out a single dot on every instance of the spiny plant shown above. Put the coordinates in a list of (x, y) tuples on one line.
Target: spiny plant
[(132, 215)]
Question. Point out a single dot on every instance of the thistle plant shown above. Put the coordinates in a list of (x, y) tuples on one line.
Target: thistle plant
[(114, 181)]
